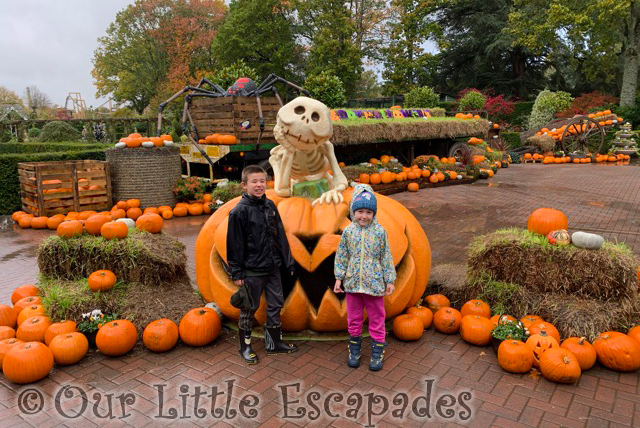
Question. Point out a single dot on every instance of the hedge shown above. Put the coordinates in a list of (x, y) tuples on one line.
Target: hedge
[(9, 184), (512, 139), (6, 148)]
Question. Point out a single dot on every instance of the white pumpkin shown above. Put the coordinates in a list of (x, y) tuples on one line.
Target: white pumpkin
[(131, 224), (121, 145), (459, 177), (590, 241), (147, 144), (167, 143)]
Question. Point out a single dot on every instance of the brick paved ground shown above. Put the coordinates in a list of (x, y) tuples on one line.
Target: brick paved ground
[(604, 199)]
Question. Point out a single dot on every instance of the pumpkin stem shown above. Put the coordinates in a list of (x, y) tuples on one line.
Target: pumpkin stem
[(566, 360), (543, 333), (581, 340)]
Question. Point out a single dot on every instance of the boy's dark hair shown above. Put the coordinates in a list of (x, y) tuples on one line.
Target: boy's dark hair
[(251, 169)]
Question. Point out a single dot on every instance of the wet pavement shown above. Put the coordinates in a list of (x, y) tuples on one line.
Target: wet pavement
[(597, 198)]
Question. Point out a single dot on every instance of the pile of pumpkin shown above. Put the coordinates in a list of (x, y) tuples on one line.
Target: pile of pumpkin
[(558, 360), (136, 140), (556, 133), (124, 211), (222, 139), (31, 343), (467, 116), (566, 159)]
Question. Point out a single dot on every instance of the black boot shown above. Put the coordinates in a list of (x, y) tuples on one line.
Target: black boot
[(355, 351), (274, 344), (377, 355), (247, 353)]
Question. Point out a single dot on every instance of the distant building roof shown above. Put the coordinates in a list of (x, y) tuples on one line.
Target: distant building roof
[(16, 110)]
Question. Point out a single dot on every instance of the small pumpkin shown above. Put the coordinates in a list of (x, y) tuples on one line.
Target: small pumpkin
[(54, 222), (199, 327), (476, 307), (27, 362), (7, 332), (8, 316), (114, 230), (133, 203), (59, 328), (167, 214), (25, 303), (530, 319), (118, 214), (180, 211), (151, 223), (23, 291), (70, 229), (425, 315), (33, 329), (195, 209), (7, 344), (39, 222), (116, 338), (539, 343), (560, 238), (160, 335), (617, 351), (69, 348), (515, 357), (94, 224), (131, 224), (634, 332), (560, 365), (589, 241), (134, 213), (447, 320), (436, 302), (476, 330), (582, 349), (101, 280), (539, 326), (408, 327), (545, 220), (30, 311), (413, 187)]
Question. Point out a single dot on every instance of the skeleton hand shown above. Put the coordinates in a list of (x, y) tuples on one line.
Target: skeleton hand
[(332, 195), (284, 192)]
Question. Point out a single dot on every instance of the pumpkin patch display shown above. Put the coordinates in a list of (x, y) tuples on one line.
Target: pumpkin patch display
[(313, 233)]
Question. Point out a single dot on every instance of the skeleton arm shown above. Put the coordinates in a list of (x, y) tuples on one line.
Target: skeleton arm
[(340, 182), (281, 161)]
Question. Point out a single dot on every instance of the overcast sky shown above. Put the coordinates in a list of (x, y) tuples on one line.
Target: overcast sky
[(50, 44)]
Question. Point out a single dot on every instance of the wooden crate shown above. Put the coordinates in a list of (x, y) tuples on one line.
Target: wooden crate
[(49, 188), (225, 116)]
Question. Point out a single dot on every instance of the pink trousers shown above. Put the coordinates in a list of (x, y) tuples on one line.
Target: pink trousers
[(356, 304)]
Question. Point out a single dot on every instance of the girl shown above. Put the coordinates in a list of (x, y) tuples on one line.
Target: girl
[(364, 267)]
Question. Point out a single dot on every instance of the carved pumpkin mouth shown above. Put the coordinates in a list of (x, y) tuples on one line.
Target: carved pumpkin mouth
[(314, 235)]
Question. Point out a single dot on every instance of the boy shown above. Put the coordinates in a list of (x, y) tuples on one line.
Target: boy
[(257, 248)]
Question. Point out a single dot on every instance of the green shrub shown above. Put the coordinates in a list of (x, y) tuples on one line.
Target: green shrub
[(33, 133), (421, 97), (59, 131), (512, 139), (630, 114), (9, 184), (447, 105), (227, 76), (327, 88), (9, 148), (5, 136), (472, 100), (521, 113), (546, 105), (437, 111), (232, 190)]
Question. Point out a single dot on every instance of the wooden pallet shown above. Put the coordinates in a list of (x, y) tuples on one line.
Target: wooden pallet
[(225, 115), (49, 188)]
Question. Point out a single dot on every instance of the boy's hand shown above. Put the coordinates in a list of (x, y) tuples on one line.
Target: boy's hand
[(337, 288), (390, 289), (239, 282)]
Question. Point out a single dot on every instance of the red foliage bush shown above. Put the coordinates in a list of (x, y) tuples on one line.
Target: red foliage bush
[(499, 106), (586, 102)]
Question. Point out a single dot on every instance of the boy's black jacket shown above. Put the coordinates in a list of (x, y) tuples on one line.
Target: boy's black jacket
[(256, 240)]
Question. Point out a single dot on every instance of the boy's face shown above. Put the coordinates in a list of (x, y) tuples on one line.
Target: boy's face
[(256, 184), (363, 217)]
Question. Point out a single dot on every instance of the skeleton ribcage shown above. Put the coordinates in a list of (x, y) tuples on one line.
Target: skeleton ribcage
[(314, 163)]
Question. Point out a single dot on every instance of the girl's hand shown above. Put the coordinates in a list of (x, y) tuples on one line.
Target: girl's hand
[(390, 289), (337, 287)]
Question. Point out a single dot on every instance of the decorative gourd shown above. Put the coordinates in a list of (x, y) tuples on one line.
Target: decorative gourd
[(147, 144), (617, 351), (116, 338), (131, 224), (590, 241), (408, 327), (559, 237), (447, 320), (545, 220), (539, 343), (121, 145), (69, 348), (425, 315), (27, 290), (560, 365), (101, 280), (199, 327), (476, 307), (582, 349), (151, 223), (160, 335), (515, 357), (436, 302), (476, 329), (33, 329), (59, 328), (27, 362)]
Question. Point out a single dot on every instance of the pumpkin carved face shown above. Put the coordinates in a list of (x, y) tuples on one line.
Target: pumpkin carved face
[(314, 235)]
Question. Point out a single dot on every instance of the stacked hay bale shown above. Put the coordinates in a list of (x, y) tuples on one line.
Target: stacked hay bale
[(582, 292)]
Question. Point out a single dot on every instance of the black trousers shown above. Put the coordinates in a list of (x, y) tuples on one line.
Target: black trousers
[(271, 284)]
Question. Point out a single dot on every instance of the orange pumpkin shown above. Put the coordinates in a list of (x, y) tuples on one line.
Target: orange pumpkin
[(407, 327), (476, 329), (309, 300), (634, 332), (27, 362), (70, 229), (116, 338), (436, 302), (69, 348), (133, 203), (545, 220), (8, 316), (151, 223), (199, 327), (529, 319), (54, 221), (33, 329), (30, 311), (167, 214), (114, 230), (101, 280), (94, 224), (23, 291), (496, 319), (413, 187), (539, 343), (58, 328), (582, 349), (7, 332), (515, 357), (195, 209), (559, 365), (425, 315), (7, 344), (25, 302), (180, 211), (39, 222), (134, 213), (476, 307), (539, 326), (617, 351), (447, 320), (118, 214), (160, 335)]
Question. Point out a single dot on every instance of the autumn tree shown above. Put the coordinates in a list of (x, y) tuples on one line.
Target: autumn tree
[(155, 45), (7, 96), (36, 100)]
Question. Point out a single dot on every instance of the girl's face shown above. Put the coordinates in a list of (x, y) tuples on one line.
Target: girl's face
[(363, 217)]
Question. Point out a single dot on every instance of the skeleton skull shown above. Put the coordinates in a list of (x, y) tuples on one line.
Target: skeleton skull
[(305, 123)]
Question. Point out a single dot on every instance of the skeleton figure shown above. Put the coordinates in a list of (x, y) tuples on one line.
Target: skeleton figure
[(305, 153)]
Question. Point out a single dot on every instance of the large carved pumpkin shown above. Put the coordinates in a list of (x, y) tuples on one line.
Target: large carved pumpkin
[(314, 235)]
